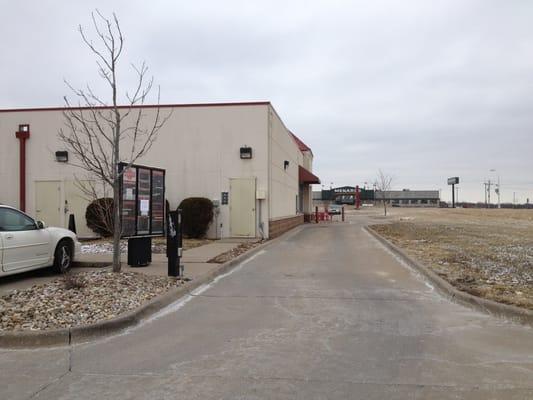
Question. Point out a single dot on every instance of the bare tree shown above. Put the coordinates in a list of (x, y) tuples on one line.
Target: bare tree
[(383, 186), (96, 126)]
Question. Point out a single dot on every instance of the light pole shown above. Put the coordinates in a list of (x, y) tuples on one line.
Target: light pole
[(497, 190)]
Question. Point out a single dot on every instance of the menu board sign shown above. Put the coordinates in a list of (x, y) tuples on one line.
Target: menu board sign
[(158, 202), (129, 190), (142, 201)]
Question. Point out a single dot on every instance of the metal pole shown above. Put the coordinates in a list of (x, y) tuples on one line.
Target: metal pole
[(499, 190), (316, 214), (453, 196), (342, 213)]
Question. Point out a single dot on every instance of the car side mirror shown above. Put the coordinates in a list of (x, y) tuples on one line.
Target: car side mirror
[(41, 225)]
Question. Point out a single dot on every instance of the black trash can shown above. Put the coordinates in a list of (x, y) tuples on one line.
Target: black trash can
[(139, 251)]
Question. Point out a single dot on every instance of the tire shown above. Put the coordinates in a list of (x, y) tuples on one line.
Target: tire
[(63, 256)]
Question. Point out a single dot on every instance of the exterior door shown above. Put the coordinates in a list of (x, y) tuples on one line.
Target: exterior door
[(242, 207), (48, 202), (24, 246)]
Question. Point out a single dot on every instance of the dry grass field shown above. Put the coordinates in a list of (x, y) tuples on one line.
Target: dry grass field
[(488, 253)]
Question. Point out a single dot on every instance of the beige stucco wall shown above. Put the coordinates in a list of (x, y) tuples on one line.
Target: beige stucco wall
[(307, 160), (198, 147), (40, 157), (283, 183)]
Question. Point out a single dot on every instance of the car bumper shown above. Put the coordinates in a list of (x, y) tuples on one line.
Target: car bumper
[(77, 250)]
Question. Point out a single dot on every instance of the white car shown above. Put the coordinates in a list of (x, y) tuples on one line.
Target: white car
[(335, 209), (26, 244)]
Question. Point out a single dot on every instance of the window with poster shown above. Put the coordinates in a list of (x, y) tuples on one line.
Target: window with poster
[(142, 200)]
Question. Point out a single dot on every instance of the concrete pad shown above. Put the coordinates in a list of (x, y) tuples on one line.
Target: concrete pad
[(26, 372), (89, 387), (99, 257), (325, 313)]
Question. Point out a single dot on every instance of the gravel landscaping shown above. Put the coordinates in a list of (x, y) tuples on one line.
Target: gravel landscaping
[(237, 251), (94, 296), (159, 245), (487, 253)]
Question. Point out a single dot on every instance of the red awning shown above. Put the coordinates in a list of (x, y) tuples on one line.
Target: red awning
[(305, 176)]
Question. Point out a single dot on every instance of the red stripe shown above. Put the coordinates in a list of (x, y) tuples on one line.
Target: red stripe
[(249, 103)]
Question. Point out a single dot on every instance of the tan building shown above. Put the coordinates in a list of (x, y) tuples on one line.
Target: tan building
[(200, 149), (410, 198)]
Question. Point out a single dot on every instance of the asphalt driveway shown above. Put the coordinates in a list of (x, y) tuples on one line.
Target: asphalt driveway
[(326, 313)]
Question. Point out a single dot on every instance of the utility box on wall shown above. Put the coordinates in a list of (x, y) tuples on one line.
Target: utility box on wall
[(260, 194)]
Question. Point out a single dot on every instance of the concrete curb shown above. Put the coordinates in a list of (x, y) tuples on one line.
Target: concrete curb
[(506, 311), (86, 333)]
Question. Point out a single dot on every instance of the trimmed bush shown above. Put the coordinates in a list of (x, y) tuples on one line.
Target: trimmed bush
[(196, 216), (99, 216)]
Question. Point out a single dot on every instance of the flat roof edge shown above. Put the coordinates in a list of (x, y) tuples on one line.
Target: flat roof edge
[(222, 104)]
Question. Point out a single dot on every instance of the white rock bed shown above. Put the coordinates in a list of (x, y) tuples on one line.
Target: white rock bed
[(105, 296), (107, 248)]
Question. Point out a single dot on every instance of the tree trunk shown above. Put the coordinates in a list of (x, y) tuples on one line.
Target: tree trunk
[(117, 229), (385, 207)]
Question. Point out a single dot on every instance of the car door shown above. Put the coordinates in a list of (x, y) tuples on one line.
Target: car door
[(24, 245)]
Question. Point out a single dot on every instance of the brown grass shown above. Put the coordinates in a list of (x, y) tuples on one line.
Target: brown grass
[(488, 253)]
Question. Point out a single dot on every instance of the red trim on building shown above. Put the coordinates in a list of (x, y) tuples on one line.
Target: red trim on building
[(249, 103), (301, 145), (22, 136), (307, 177)]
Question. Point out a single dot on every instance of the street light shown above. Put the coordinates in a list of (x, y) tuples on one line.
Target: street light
[(497, 190)]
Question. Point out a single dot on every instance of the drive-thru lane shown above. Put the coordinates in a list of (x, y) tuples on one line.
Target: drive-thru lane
[(325, 313)]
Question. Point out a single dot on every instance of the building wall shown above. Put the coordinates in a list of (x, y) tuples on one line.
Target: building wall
[(284, 186), (281, 225), (307, 160), (198, 147)]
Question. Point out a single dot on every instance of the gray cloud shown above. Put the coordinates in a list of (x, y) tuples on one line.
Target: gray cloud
[(425, 90)]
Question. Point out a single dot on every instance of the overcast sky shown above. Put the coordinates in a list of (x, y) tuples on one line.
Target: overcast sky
[(421, 89)]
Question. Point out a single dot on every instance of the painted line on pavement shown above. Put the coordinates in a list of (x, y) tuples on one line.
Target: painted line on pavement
[(174, 307)]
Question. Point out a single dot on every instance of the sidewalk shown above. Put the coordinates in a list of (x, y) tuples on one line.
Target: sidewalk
[(200, 254), (194, 260)]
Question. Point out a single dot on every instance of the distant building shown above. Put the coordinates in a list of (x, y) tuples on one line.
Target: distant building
[(409, 198), (397, 198), (343, 195)]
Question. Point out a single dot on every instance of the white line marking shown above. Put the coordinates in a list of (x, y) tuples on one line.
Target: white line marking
[(173, 307)]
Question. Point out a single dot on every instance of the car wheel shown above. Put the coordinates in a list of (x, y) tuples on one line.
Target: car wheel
[(63, 257)]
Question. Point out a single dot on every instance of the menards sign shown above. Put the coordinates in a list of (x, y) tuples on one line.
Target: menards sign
[(344, 189)]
